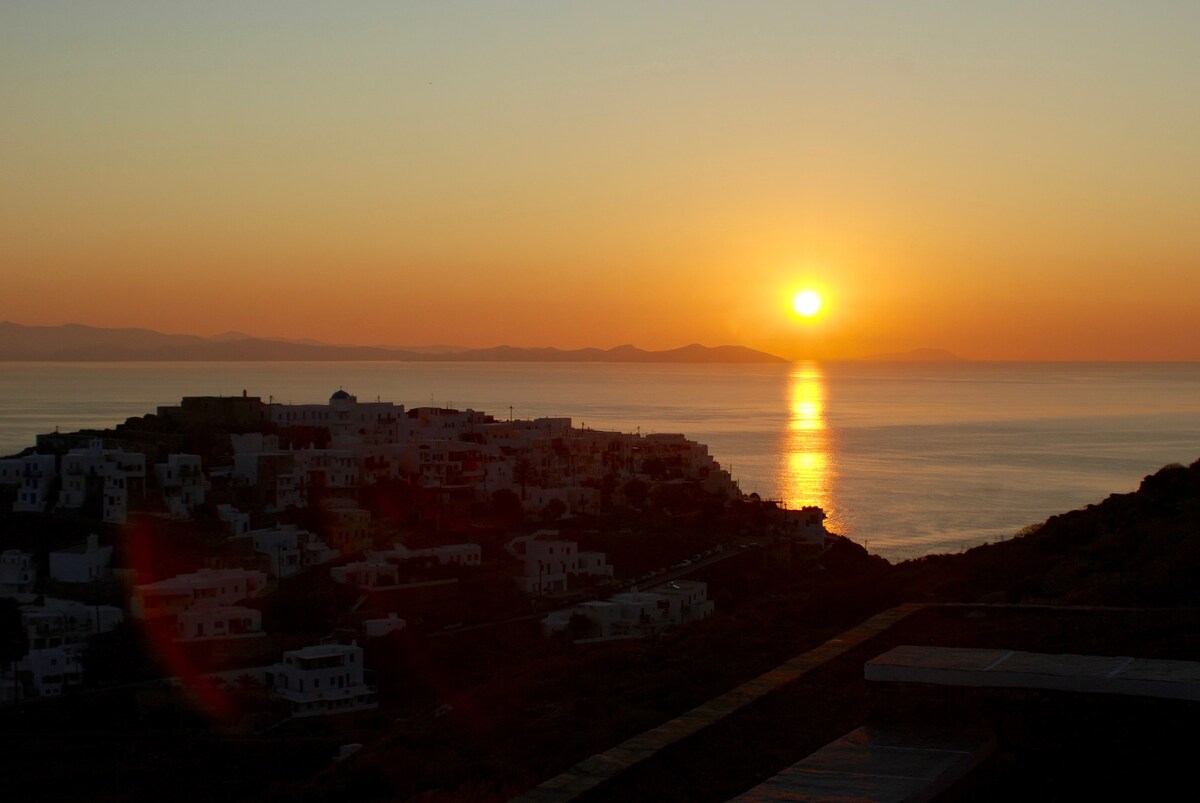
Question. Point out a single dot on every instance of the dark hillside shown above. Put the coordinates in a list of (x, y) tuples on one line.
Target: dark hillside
[(1139, 549)]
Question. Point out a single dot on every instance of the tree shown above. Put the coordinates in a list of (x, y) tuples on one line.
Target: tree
[(554, 510), (636, 492), (608, 486), (524, 473), (507, 505), (654, 468)]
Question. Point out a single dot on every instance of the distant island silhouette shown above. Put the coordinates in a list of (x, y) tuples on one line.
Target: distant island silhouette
[(79, 343)]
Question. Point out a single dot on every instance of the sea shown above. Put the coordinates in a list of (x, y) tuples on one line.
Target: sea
[(907, 459)]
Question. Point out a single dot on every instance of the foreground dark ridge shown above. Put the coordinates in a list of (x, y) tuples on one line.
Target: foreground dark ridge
[(601, 767), (520, 711), (651, 765), (75, 342), (1135, 549)]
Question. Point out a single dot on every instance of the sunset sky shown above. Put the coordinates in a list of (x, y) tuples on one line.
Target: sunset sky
[(1006, 180)]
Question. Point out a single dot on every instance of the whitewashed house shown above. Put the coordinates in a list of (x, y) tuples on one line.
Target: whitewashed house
[(10, 471), (176, 594), (349, 529), (350, 422), (112, 469), (548, 563), (33, 475), (83, 563), (182, 481), (806, 524), (689, 600), (290, 549), (259, 463), (323, 679), (371, 573), (376, 628), (50, 672), (61, 622), (211, 621), (447, 554), (636, 614), (237, 521), (18, 574)]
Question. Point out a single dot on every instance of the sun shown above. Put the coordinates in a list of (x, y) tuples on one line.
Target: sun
[(806, 303)]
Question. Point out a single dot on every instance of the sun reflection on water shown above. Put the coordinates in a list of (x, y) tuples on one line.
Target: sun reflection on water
[(806, 469)]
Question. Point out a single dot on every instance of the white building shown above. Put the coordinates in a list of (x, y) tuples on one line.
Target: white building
[(172, 596), (439, 423), (259, 463), (83, 563), (290, 549), (10, 471), (210, 620), (689, 600), (349, 527), (111, 469), (636, 614), (50, 672), (350, 422), (18, 574), (323, 679), (376, 628), (448, 554), (33, 475), (182, 481), (548, 563), (237, 521), (331, 470), (61, 622), (371, 573), (444, 462), (806, 524), (575, 498)]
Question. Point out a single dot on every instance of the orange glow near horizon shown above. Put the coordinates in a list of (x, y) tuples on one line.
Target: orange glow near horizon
[(407, 175)]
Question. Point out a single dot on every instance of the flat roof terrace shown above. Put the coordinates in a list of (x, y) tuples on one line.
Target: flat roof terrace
[(1093, 674)]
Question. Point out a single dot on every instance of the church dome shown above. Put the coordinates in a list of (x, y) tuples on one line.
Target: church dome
[(341, 395)]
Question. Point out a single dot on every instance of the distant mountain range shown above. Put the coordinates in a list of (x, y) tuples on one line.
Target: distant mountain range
[(79, 343)]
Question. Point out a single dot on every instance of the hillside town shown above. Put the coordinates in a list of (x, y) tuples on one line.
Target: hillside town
[(262, 544)]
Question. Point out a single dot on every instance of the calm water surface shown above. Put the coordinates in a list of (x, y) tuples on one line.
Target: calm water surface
[(906, 458)]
